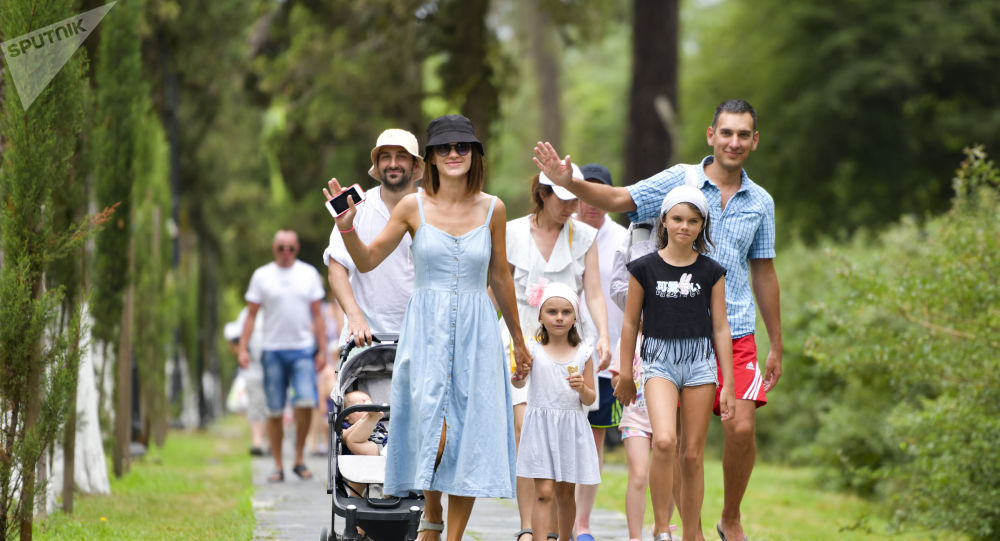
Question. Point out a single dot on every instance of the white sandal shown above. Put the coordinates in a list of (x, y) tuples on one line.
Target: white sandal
[(426, 525)]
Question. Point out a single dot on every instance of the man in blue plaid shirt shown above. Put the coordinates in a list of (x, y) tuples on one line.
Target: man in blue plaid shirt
[(742, 226)]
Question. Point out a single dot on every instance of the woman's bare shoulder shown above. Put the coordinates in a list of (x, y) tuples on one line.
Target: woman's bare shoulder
[(486, 199), (407, 205), (407, 209), (409, 199)]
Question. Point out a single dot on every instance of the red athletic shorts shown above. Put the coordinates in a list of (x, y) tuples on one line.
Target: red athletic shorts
[(746, 373)]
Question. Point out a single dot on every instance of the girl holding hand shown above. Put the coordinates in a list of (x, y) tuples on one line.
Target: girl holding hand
[(557, 449)]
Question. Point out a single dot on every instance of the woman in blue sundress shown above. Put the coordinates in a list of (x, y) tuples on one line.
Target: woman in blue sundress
[(449, 392)]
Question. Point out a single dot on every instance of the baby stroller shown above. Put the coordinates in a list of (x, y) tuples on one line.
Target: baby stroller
[(383, 518)]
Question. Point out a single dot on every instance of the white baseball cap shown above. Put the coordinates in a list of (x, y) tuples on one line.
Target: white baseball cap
[(561, 193)]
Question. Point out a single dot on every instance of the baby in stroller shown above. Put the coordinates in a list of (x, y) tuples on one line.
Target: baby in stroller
[(364, 433), (358, 438)]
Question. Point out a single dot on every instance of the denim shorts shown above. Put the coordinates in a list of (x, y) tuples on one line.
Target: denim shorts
[(294, 367), (686, 370)]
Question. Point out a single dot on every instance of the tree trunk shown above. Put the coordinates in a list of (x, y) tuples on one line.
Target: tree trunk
[(69, 455), (545, 53), (157, 397), (209, 400), (33, 405), (123, 385), (172, 127), (467, 76), (648, 141), (102, 374), (91, 475)]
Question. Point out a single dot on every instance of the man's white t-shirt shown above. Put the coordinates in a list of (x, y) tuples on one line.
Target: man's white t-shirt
[(383, 292), (610, 237), (285, 293)]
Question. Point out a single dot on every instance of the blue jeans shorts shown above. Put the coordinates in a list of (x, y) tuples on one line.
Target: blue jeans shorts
[(685, 363), (294, 367)]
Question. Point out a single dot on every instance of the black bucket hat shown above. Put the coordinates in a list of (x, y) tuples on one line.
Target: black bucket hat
[(451, 129)]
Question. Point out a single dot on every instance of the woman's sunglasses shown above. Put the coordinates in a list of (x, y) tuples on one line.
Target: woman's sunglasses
[(461, 148)]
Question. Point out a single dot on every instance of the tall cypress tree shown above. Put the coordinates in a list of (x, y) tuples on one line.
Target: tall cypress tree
[(38, 358), (156, 314), (118, 77)]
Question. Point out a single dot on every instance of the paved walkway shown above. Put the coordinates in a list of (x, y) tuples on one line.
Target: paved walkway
[(298, 510), (294, 510)]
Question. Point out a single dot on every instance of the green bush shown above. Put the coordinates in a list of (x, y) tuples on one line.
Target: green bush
[(808, 388), (913, 335)]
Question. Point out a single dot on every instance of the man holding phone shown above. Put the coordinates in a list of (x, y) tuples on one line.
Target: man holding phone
[(375, 301)]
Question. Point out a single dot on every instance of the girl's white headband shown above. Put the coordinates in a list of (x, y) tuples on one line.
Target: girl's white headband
[(685, 194), (558, 289)]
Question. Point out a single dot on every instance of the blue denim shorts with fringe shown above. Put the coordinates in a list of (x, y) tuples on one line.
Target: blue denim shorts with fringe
[(685, 362)]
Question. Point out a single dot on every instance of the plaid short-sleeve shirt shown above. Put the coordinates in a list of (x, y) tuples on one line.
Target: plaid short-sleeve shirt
[(741, 232)]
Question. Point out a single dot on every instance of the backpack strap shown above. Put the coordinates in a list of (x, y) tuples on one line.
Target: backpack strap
[(691, 174)]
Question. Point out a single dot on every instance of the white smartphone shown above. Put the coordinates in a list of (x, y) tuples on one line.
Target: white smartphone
[(338, 205)]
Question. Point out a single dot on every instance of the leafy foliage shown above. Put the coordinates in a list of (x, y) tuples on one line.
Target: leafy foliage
[(197, 67), (119, 90), (155, 281), (913, 337), (38, 359), (864, 107)]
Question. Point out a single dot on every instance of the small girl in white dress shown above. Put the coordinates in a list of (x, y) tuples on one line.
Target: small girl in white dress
[(557, 449)]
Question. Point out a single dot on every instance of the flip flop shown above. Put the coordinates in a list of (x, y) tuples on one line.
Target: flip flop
[(302, 471), (584, 537), (718, 528), (526, 531), (277, 476)]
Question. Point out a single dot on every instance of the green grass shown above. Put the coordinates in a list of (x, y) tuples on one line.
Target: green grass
[(198, 486), (782, 504)]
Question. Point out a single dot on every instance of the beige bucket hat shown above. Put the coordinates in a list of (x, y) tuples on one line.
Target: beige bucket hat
[(398, 138)]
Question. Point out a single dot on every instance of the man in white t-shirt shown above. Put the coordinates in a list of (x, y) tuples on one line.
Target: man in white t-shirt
[(293, 345), (610, 236), (375, 301)]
